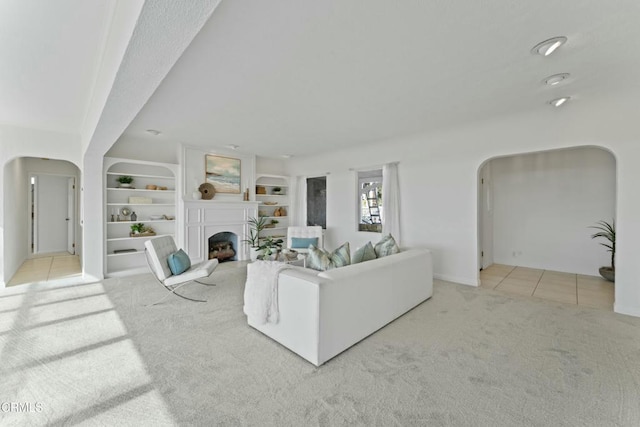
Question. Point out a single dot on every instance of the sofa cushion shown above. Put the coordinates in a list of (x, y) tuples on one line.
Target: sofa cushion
[(303, 242), (386, 246), (365, 253), (179, 262), (319, 259)]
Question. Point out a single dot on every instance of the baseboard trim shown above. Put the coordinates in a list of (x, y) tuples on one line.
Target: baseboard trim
[(455, 279), (628, 310)]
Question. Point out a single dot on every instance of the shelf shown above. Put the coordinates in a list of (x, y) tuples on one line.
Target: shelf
[(140, 190), (163, 204), (273, 206), (125, 253), (142, 176), (140, 204), (274, 217), (272, 195), (127, 271), (140, 220), (121, 239), (275, 228), (271, 185)]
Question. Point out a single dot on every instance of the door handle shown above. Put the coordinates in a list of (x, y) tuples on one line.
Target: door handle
[(66, 219)]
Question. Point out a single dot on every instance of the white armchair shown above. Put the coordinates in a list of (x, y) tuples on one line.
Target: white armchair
[(304, 233), (157, 251)]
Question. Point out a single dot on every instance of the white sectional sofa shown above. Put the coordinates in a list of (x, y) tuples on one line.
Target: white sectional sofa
[(324, 313)]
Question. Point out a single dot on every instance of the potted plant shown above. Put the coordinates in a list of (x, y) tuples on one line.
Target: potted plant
[(125, 181), (256, 225), (608, 232), (274, 222), (270, 248), (139, 229)]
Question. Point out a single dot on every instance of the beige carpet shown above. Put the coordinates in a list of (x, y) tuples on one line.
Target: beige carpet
[(95, 355)]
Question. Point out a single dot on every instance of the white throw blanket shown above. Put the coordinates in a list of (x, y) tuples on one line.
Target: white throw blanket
[(261, 291)]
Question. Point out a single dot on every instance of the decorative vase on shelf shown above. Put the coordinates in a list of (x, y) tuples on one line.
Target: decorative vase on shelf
[(134, 217), (196, 195)]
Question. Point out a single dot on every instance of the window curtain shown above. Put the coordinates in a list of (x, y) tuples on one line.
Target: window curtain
[(391, 201), (299, 203)]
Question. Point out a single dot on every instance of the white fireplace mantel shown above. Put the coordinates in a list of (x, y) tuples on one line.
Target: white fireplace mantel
[(204, 218)]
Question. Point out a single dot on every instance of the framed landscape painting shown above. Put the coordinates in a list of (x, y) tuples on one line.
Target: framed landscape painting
[(223, 173)]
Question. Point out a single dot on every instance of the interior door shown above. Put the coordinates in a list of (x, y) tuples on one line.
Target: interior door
[(487, 217), (71, 207), (51, 214)]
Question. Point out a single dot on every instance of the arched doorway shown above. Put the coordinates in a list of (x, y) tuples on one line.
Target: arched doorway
[(535, 211), (42, 239)]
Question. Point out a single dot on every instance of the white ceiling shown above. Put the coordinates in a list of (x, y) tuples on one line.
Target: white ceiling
[(301, 76), (50, 53), (298, 77)]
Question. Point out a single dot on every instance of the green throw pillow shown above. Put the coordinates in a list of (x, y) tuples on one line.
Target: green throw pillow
[(365, 253), (386, 246), (321, 260), (179, 262)]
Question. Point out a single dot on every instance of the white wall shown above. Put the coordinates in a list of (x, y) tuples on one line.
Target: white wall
[(543, 204), (438, 178), (271, 166), (16, 219), (157, 149), (193, 168)]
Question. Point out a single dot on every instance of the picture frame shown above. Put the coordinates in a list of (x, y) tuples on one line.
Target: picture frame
[(223, 173)]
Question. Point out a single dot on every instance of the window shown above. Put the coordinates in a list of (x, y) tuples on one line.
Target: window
[(370, 200)]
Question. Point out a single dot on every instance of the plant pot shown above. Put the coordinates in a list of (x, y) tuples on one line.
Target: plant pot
[(121, 185), (608, 273), (253, 253)]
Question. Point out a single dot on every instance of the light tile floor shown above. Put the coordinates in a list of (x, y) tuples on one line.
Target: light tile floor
[(46, 268), (590, 291)]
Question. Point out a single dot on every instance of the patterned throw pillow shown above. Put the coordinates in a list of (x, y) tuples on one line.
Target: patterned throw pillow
[(386, 246), (321, 260), (179, 262), (365, 253), (303, 242)]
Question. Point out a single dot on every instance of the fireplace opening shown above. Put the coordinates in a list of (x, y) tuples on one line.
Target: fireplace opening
[(223, 246)]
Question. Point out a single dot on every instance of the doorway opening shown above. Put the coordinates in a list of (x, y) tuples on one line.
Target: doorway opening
[(535, 211), (41, 206)]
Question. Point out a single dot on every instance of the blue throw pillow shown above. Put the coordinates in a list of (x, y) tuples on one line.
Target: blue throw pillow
[(303, 242), (179, 262)]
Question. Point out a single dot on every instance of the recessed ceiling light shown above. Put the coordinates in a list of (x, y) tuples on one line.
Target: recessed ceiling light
[(153, 132), (286, 156), (556, 79), (559, 101), (232, 146), (547, 47)]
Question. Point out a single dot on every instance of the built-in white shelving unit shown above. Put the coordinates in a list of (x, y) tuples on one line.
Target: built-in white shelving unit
[(162, 203), (271, 201)]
